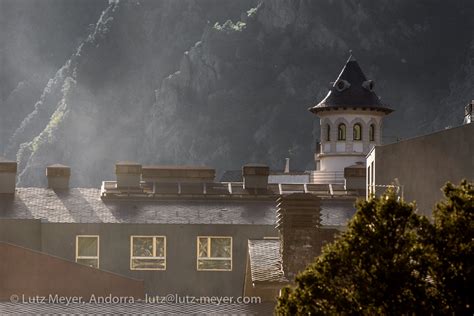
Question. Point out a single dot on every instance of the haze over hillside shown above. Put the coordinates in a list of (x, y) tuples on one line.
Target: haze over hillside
[(215, 82)]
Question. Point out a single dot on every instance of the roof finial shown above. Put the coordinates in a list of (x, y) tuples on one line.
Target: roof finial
[(351, 58)]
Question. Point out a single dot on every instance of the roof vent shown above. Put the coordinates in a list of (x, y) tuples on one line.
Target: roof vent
[(287, 165), (355, 177), (255, 176), (58, 176), (368, 85), (342, 85)]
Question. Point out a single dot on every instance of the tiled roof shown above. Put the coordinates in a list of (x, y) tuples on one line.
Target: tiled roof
[(232, 176), (355, 94), (84, 205), (265, 261), (136, 309)]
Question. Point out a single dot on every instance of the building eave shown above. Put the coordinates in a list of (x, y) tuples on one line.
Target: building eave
[(319, 109)]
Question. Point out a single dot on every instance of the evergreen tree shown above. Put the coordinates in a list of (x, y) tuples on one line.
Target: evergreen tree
[(377, 266), (451, 239), (393, 261)]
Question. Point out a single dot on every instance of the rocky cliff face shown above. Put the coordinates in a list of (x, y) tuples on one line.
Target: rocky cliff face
[(241, 93), (91, 113), (173, 82), (461, 91), (36, 38)]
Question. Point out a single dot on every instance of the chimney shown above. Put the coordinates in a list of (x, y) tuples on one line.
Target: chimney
[(58, 177), (255, 176), (287, 165), (468, 113), (298, 221), (355, 177), (128, 174), (7, 176)]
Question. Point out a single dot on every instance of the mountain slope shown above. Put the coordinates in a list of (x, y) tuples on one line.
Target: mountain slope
[(33, 47), (94, 105), (241, 93), (162, 82)]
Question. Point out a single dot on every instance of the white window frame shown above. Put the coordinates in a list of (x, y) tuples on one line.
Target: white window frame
[(209, 253), (88, 257), (154, 252)]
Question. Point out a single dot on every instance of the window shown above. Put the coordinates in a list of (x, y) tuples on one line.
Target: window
[(341, 132), (328, 132), (214, 253), (147, 253), (357, 132), (87, 250), (372, 132)]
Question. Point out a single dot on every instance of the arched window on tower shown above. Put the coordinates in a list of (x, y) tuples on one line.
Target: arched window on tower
[(341, 132), (328, 132), (372, 133), (357, 131)]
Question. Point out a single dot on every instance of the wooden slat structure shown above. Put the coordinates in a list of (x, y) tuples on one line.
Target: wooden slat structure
[(298, 210)]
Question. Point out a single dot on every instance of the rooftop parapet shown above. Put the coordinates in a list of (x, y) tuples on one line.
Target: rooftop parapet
[(178, 174)]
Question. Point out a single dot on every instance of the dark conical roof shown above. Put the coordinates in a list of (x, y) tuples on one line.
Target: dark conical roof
[(351, 90)]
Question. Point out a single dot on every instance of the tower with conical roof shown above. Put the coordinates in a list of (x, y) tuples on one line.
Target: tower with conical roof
[(351, 123)]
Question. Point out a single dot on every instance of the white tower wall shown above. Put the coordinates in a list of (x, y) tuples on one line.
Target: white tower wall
[(351, 103), (337, 154)]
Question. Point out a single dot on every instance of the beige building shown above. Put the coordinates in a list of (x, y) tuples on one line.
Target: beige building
[(420, 166), (173, 228)]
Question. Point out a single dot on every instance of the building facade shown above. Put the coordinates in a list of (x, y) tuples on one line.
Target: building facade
[(173, 228), (420, 166)]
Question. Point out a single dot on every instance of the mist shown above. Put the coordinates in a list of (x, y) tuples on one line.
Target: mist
[(212, 82)]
